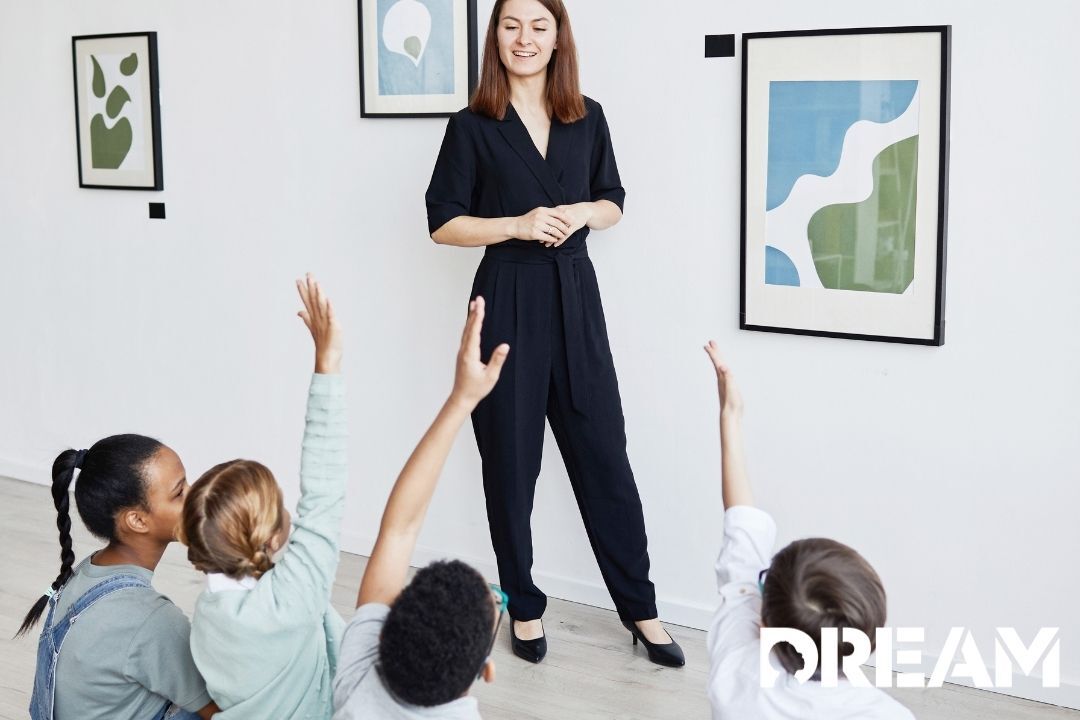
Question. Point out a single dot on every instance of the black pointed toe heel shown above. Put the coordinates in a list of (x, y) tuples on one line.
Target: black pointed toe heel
[(668, 654), (531, 650)]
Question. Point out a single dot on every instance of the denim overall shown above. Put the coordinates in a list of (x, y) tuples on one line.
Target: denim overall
[(52, 638)]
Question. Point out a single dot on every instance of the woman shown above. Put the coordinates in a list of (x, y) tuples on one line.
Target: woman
[(527, 171), (127, 657)]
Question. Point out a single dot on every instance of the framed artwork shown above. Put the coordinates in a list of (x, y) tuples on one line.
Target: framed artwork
[(117, 116), (418, 58), (845, 150)]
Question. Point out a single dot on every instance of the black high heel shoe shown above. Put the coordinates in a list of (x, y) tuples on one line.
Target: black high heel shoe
[(531, 650), (669, 654)]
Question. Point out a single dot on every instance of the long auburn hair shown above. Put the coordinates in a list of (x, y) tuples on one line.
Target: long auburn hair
[(563, 86)]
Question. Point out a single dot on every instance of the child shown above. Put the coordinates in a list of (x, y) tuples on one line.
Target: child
[(810, 584), (264, 635), (414, 652), (128, 657)]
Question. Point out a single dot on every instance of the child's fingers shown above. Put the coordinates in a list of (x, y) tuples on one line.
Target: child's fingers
[(468, 324), (313, 298), (710, 350), (324, 310), (324, 302), (478, 324), (498, 359), (301, 287), (320, 299), (723, 371), (714, 354), (470, 338)]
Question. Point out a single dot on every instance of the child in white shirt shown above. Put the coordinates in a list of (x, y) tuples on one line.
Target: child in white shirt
[(810, 584)]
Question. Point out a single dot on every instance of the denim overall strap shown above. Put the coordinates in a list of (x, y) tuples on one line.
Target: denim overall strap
[(52, 638)]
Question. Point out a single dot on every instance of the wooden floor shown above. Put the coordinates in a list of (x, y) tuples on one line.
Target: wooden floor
[(592, 672)]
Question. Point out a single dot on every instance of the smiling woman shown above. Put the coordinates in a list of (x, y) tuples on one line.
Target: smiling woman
[(527, 40), (527, 170)]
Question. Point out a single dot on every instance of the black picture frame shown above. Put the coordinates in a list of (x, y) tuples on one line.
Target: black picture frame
[(154, 167), (366, 109), (937, 336)]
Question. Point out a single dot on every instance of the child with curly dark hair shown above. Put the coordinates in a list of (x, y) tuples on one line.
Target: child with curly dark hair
[(414, 651)]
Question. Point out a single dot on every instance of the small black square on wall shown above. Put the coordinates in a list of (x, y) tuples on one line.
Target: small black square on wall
[(719, 46), (157, 211)]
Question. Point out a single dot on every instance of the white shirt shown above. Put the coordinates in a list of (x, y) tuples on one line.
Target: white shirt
[(219, 582), (734, 643)]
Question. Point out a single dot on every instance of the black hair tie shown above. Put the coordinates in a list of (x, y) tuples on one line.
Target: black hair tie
[(79, 457)]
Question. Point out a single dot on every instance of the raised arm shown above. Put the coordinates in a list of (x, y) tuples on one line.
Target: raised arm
[(405, 510), (736, 486), (304, 576), (318, 315)]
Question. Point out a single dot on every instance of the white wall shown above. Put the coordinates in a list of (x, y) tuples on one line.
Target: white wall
[(952, 469)]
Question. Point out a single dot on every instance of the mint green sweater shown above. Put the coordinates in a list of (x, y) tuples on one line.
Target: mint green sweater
[(271, 651)]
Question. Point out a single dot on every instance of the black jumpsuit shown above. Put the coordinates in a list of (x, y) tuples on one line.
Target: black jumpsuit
[(545, 303)]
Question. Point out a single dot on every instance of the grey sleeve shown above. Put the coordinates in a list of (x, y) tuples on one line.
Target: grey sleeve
[(159, 659), (359, 650)]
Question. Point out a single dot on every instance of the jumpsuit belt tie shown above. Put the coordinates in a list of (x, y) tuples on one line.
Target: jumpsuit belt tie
[(573, 316)]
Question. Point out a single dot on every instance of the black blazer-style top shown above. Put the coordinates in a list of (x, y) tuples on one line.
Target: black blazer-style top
[(491, 168)]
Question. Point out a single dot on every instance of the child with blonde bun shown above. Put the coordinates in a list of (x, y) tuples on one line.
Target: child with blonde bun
[(264, 635)]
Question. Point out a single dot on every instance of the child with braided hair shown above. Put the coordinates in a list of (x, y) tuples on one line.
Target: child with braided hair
[(112, 647), (263, 634)]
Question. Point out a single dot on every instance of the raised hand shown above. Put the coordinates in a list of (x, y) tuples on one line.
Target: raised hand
[(473, 379), (736, 486), (730, 397), (549, 226), (318, 315)]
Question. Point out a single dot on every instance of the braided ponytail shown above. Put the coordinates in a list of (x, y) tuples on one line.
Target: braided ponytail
[(256, 565), (112, 477), (231, 516), (63, 470)]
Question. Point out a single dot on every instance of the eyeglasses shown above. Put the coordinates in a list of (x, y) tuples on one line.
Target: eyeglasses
[(761, 580), (501, 600)]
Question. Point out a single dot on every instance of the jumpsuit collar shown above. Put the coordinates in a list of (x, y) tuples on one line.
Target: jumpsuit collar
[(547, 172)]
